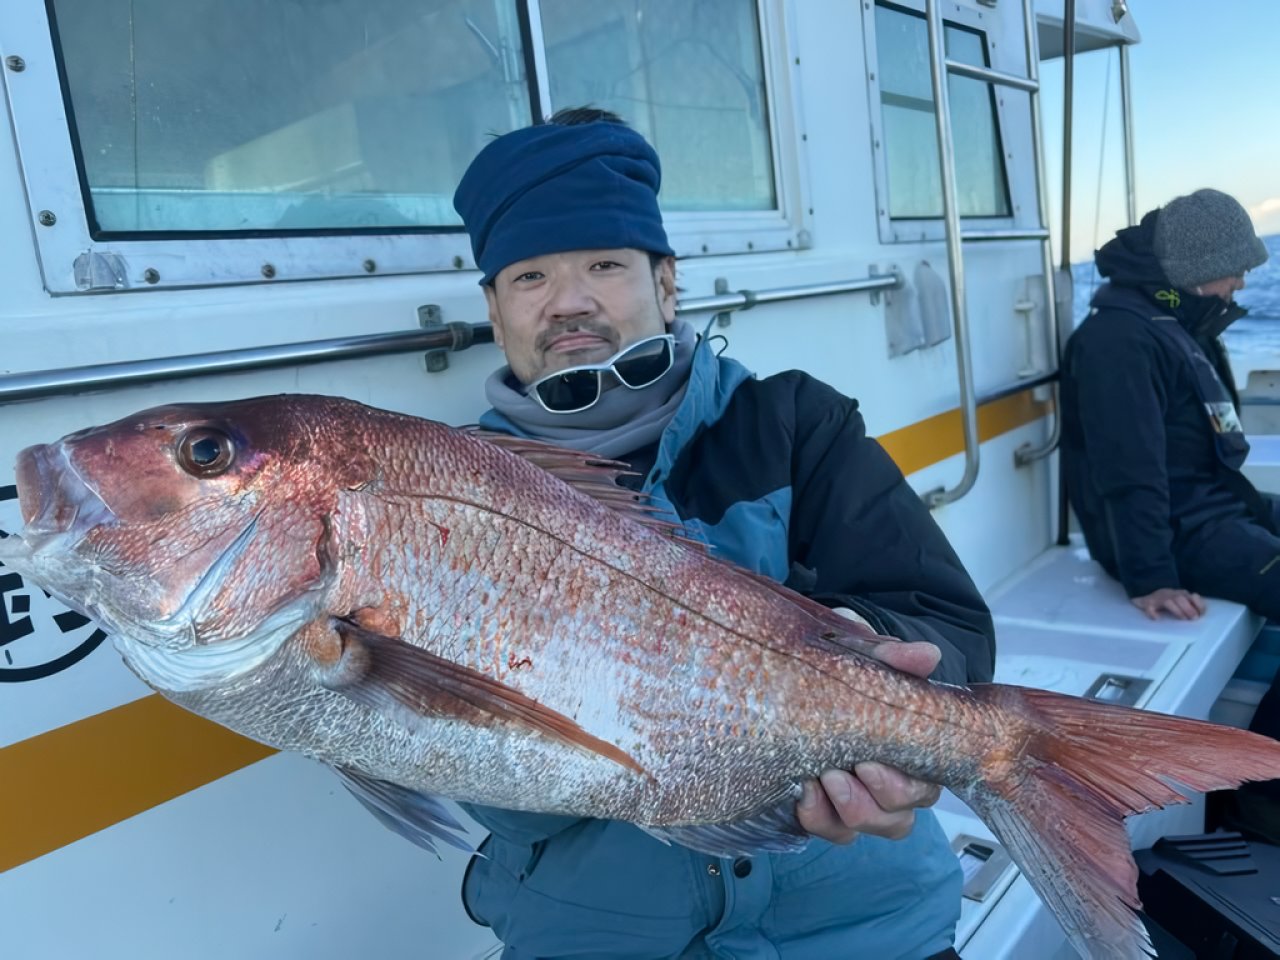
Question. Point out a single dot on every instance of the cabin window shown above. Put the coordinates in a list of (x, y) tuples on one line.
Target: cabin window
[(689, 76), (216, 142), (262, 115), (908, 119), (335, 120)]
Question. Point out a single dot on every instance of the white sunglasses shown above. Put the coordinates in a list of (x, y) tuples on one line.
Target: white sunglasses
[(579, 388)]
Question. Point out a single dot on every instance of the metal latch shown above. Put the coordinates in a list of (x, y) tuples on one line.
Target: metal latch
[(1117, 688), (984, 863), (100, 271), (430, 316)]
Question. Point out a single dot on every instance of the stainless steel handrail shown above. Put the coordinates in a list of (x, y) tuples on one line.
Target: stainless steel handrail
[(70, 380), (1126, 106), (940, 70), (452, 337), (1068, 111), (989, 235), (1022, 386), (1029, 453), (1068, 108), (746, 299), (955, 261), (1026, 84)]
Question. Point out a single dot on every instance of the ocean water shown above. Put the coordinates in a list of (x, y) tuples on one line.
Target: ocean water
[(1257, 334)]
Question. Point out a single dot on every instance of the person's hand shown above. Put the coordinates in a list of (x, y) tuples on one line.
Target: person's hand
[(1179, 604), (918, 659), (872, 798)]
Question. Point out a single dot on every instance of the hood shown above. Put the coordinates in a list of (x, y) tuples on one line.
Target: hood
[(1128, 261)]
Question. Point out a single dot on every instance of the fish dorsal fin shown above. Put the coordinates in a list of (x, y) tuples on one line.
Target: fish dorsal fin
[(834, 633), (840, 631), (572, 466), (596, 477)]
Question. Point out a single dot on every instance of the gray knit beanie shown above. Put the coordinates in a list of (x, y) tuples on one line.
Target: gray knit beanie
[(1205, 236)]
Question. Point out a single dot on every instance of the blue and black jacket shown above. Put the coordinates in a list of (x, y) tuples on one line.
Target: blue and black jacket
[(1151, 440), (779, 476)]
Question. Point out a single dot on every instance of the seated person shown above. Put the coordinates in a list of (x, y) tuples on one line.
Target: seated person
[(1151, 439)]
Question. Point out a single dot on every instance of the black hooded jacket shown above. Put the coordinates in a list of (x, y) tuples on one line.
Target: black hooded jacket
[(1146, 470)]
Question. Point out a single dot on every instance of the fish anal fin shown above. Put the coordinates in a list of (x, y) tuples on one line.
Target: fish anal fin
[(420, 818), (381, 672), (772, 829)]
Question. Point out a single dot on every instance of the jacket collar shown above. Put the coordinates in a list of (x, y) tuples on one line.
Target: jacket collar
[(1205, 318), (712, 383)]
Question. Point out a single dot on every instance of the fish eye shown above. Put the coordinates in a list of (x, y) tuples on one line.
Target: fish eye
[(205, 452)]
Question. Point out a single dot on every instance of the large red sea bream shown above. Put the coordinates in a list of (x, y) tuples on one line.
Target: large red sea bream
[(439, 612)]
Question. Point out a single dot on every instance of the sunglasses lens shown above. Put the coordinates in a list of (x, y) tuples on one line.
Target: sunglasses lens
[(644, 363), (570, 391), (638, 366)]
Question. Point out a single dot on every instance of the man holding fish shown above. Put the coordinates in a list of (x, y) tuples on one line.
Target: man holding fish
[(778, 476), (662, 741)]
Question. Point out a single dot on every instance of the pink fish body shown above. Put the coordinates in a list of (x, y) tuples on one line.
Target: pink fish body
[(439, 612)]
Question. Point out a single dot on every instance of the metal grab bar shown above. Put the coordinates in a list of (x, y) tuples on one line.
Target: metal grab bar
[(70, 380), (451, 337), (1022, 386), (955, 261), (1029, 453), (1126, 103), (940, 70), (746, 299), (1028, 84), (991, 235)]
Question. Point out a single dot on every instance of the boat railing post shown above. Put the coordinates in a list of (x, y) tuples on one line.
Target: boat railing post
[(939, 76), (1029, 453)]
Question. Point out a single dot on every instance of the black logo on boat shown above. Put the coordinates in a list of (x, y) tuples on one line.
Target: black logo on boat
[(37, 642)]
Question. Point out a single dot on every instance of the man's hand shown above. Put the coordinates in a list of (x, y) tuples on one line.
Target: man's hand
[(872, 798), (1179, 604)]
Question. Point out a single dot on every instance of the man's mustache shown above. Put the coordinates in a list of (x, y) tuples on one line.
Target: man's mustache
[(544, 339)]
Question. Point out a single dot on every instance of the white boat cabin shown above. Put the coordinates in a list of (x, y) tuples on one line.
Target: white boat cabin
[(209, 199)]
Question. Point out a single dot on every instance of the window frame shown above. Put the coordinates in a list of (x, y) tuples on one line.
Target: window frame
[(932, 229), (53, 177)]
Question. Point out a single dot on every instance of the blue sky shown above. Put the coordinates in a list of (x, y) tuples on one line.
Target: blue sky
[(1206, 100)]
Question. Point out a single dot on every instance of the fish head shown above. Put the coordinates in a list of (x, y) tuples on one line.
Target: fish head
[(185, 527)]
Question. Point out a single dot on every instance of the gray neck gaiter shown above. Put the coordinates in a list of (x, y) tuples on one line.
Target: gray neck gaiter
[(622, 421)]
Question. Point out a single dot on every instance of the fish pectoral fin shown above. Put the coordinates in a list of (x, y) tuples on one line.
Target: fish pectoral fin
[(773, 829), (384, 673), (418, 817)]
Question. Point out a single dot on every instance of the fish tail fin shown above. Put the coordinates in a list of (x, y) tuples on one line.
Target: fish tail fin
[(1059, 804)]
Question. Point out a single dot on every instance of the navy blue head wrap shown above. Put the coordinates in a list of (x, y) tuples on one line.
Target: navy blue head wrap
[(553, 188)]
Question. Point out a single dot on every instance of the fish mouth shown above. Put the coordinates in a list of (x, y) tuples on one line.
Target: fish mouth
[(55, 501)]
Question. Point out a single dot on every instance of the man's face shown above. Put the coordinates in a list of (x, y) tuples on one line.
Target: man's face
[(1225, 288), (565, 309)]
